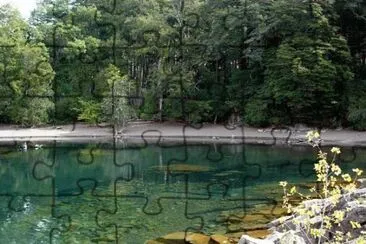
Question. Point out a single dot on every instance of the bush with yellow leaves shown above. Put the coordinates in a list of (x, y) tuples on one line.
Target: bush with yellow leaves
[(334, 216)]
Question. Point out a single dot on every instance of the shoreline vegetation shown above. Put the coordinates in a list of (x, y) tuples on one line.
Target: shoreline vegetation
[(175, 132), (281, 63)]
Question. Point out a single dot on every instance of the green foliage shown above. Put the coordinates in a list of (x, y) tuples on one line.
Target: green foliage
[(334, 217), (31, 111), (257, 113), (276, 62), (173, 109), (198, 111), (64, 113), (357, 117), (115, 89), (357, 107), (90, 111), (26, 73), (149, 108), (306, 75)]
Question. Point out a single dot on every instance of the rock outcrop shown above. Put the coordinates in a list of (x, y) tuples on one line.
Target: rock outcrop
[(291, 229)]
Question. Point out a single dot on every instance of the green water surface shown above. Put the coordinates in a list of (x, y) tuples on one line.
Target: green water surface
[(66, 193)]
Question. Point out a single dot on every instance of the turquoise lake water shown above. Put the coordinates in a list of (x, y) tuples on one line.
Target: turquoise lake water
[(92, 193)]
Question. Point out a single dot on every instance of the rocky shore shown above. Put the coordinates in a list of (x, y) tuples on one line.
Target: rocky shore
[(291, 229)]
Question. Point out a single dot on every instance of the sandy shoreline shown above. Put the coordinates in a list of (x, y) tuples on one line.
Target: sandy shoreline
[(168, 132)]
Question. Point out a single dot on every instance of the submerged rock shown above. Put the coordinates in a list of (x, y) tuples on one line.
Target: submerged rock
[(190, 238), (172, 238), (260, 233), (219, 239), (198, 239), (183, 168)]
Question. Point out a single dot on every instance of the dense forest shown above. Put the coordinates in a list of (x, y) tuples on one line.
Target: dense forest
[(261, 62)]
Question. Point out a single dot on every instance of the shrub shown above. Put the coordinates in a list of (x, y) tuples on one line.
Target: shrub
[(31, 111), (256, 113), (90, 111), (149, 108), (333, 210)]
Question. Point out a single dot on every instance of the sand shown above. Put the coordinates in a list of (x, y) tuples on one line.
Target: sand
[(173, 132)]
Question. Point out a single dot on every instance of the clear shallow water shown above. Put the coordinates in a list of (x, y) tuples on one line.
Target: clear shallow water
[(92, 193)]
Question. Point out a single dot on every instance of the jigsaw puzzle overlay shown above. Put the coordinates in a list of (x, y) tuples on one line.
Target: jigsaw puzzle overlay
[(120, 192)]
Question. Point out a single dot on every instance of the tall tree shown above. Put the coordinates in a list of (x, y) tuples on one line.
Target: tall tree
[(26, 75), (308, 70)]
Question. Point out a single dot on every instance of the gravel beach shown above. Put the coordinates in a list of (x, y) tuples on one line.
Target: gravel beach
[(168, 132)]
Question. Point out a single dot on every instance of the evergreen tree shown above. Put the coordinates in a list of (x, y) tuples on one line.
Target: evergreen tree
[(306, 75)]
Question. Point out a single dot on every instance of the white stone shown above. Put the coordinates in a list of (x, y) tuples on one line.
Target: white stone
[(245, 239), (291, 237)]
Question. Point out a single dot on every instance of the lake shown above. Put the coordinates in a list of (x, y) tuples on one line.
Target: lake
[(82, 193)]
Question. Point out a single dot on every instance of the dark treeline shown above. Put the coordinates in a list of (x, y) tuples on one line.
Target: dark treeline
[(278, 62)]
